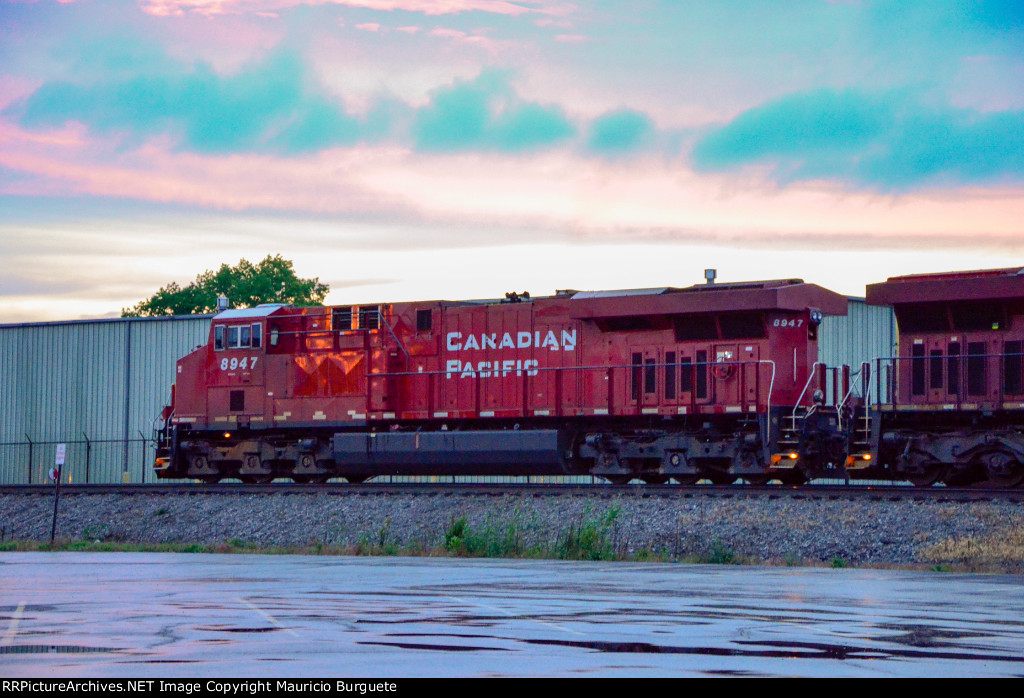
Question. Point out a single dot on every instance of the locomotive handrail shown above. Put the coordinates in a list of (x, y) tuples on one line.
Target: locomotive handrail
[(768, 408), (593, 367), (858, 376), (380, 316), (529, 374), (812, 374), (991, 390)]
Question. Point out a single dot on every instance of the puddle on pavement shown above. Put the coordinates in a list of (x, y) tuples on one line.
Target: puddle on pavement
[(229, 629), (736, 673), (458, 635), (847, 652), (436, 648), (54, 649), (924, 636), (249, 581), (792, 650), (27, 608)]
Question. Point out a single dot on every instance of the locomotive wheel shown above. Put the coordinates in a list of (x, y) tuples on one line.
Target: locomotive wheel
[(1003, 468), (963, 477), (655, 479), (748, 461), (618, 479), (792, 476), (927, 473), (721, 477), (210, 479), (356, 479), (302, 479), (686, 480), (200, 468)]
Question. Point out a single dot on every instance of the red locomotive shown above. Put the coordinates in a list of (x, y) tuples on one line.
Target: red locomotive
[(950, 407), (709, 381)]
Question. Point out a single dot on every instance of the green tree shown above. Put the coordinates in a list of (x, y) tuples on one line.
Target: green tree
[(246, 285)]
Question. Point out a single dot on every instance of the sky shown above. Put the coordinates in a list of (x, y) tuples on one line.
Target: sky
[(451, 149)]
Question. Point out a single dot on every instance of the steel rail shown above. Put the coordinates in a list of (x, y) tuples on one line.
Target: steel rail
[(877, 492)]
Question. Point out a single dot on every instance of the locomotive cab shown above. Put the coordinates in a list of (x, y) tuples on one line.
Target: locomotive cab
[(237, 367)]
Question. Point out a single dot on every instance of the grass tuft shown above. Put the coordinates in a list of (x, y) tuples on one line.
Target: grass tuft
[(979, 554)]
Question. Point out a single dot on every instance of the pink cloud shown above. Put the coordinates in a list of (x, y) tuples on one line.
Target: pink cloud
[(177, 8), (65, 162), (555, 191), (441, 7), (479, 40), (166, 8), (369, 27)]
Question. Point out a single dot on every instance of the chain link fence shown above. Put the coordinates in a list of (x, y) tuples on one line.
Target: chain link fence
[(86, 460)]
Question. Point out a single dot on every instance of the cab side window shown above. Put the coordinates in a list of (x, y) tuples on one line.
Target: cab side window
[(238, 336)]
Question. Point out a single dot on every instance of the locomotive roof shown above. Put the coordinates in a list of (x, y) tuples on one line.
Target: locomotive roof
[(984, 284), (782, 294), (259, 311)]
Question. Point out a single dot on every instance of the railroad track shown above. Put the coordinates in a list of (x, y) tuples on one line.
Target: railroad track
[(825, 491)]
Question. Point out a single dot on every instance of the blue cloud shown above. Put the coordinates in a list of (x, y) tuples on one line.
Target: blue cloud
[(888, 141), (133, 93), (486, 114), (619, 132), (267, 107)]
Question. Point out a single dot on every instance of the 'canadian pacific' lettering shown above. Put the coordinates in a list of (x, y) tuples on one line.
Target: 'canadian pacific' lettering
[(491, 369), (565, 341)]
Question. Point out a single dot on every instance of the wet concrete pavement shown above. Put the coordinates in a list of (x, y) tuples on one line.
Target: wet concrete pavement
[(177, 615)]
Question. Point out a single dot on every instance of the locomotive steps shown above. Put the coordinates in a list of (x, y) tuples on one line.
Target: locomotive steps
[(877, 527)]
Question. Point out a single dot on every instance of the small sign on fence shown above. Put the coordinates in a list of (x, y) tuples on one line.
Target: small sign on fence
[(58, 463)]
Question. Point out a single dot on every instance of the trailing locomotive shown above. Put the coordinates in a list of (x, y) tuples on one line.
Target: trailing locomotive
[(950, 406), (712, 381)]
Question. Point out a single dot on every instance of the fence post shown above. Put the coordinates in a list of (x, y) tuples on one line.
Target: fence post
[(88, 454), (127, 396), (142, 470), (30, 446)]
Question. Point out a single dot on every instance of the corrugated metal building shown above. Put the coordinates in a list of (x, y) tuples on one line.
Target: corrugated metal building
[(99, 386), (868, 332), (96, 385)]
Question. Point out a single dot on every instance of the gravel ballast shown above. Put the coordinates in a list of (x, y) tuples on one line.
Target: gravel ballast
[(984, 535)]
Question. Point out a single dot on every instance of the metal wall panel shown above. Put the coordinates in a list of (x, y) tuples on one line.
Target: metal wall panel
[(96, 385), (866, 333)]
